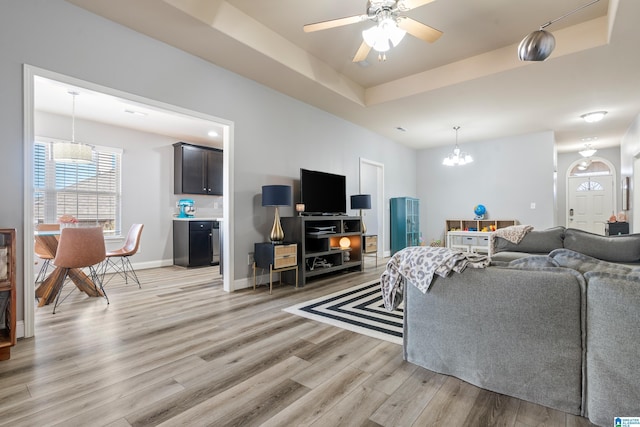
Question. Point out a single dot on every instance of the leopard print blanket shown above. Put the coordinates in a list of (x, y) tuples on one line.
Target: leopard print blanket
[(418, 265)]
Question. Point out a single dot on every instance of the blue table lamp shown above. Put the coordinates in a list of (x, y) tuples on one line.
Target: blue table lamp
[(276, 195), (361, 201)]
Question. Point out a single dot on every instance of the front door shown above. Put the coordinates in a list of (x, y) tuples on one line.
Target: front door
[(590, 202)]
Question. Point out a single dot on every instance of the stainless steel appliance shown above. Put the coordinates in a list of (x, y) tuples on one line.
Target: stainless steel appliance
[(215, 243)]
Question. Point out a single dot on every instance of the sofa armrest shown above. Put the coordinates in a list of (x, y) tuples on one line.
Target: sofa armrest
[(613, 346)]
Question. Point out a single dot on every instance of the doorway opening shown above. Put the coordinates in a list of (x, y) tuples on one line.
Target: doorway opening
[(372, 182), (226, 128)]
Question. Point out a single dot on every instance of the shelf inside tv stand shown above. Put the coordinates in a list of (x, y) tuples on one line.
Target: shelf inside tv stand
[(318, 238)]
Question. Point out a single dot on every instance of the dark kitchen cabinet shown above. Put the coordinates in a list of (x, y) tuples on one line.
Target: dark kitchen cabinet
[(196, 243), (197, 169)]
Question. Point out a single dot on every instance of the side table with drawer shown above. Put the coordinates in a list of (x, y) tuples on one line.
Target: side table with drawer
[(370, 245), (277, 258)]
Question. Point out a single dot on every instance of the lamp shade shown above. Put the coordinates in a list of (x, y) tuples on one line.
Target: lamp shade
[(276, 195), (72, 152), (361, 201)]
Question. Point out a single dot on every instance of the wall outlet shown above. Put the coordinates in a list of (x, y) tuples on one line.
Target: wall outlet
[(250, 259)]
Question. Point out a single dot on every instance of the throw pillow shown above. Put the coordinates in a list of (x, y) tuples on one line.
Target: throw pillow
[(535, 242), (625, 248), (584, 263)]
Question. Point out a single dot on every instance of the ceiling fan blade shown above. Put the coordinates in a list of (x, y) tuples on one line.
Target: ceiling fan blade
[(418, 29), (405, 5), (362, 53), (334, 23)]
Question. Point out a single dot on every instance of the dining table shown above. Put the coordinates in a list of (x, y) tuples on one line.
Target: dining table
[(49, 288)]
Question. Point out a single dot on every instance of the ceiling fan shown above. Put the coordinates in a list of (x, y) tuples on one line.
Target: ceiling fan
[(389, 29)]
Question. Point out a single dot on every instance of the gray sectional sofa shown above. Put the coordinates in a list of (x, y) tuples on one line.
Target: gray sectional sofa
[(554, 320)]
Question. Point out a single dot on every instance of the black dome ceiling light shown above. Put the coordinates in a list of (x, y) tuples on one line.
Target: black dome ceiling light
[(538, 45)]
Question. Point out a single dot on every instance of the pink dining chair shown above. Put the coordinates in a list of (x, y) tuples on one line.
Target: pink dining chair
[(42, 252), (118, 260), (81, 247)]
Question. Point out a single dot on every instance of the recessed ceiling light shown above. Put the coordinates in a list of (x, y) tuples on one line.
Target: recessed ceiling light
[(135, 113), (213, 133), (593, 117), (589, 138)]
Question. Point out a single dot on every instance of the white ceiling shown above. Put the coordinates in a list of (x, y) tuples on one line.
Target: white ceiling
[(470, 77)]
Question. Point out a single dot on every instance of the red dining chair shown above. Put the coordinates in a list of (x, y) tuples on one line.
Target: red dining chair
[(118, 260), (81, 247)]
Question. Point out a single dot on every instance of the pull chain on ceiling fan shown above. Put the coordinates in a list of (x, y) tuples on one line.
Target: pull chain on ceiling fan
[(389, 28)]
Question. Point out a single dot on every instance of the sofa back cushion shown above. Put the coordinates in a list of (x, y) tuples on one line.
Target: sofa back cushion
[(535, 242), (584, 263), (624, 248)]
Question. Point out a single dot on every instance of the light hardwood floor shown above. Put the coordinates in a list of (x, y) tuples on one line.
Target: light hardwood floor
[(181, 351)]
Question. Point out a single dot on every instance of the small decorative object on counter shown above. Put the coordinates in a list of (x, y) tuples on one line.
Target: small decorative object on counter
[(612, 218), (480, 212), (622, 216)]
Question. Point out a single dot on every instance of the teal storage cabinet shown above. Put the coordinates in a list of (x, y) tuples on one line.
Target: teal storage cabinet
[(405, 223)]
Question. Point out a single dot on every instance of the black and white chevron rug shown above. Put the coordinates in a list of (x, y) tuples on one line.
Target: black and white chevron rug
[(359, 309)]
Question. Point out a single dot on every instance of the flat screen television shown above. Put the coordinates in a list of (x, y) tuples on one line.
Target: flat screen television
[(323, 193)]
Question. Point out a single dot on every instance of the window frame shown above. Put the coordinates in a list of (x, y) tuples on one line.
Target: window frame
[(44, 185)]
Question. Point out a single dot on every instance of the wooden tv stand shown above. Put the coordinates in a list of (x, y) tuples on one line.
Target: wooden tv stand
[(318, 239)]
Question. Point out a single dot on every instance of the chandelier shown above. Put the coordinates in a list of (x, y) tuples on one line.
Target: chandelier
[(458, 157), (588, 151), (72, 151)]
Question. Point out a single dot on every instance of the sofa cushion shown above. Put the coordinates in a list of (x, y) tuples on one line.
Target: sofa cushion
[(624, 248), (535, 242), (584, 263), (613, 343), (534, 261)]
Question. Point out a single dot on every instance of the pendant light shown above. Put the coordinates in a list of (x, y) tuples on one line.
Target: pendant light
[(538, 45), (457, 157), (72, 151)]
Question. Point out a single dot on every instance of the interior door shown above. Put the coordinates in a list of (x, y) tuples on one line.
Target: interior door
[(590, 202)]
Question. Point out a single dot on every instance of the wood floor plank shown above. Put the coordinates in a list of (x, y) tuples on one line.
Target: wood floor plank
[(319, 401), (366, 401), (493, 409), (232, 405), (530, 414), (406, 404), (450, 406)]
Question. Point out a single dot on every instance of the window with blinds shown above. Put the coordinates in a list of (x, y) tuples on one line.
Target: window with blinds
[(88, 191)]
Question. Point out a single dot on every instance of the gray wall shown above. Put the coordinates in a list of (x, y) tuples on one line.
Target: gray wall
[(507, 175), (274, 134)]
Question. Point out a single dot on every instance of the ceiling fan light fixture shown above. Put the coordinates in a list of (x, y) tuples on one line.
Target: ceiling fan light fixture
[(384, 34)]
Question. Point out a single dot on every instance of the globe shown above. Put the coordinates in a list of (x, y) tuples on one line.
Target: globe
[(480, 211)]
